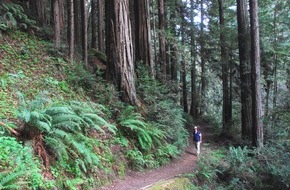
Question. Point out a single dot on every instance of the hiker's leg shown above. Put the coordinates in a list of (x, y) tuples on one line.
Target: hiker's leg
[(198, 147), (195, 146)]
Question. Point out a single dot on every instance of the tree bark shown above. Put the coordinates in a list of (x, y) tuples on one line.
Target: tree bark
[(162, 42), (94, 24), (194, 99), (77, 23), (202, 57), (62, 16), (257, 129), (225, 70), (119, 49), (143, 35), (245, 68), (101, 45), (41, 12), (56, 21), (84, 32), (71, 29)]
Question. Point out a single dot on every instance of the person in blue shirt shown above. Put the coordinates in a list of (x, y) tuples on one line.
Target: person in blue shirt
[(197, 138)]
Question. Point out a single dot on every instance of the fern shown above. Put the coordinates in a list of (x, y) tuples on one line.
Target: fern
[(11, 180), (15, 16), (58, 147), (136, 159), (158, 136), (72, 146), (72, 184), (133, 125), (90, 113), (18, 167), (162, 108), (65, 129)]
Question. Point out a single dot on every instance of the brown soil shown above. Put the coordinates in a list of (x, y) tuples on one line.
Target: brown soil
[(182, 165)]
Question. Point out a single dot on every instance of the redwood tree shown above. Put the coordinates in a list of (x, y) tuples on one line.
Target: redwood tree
[(194, 98), (143, 35), (226, 115), (162, 42), (245, 67), (84, 32), (119, 49), (257, 125), (71, 29), (101, 46), (56, 22)]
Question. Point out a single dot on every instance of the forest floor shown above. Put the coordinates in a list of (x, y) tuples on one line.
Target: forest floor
[(184, 164)]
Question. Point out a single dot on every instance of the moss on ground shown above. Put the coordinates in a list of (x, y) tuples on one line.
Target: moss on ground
[(179, 183)]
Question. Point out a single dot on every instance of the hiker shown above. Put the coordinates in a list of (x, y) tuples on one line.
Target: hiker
[(197, 138)]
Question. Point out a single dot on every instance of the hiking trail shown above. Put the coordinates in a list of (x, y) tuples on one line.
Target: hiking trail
[(183, 164)]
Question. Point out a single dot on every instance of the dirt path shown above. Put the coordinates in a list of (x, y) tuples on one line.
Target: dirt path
[(140, 180)]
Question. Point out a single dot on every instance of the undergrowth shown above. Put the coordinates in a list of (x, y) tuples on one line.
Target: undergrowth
[(19, 169), (76, 142), (243, 168)]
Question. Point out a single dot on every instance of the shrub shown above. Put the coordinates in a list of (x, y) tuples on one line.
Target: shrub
[(167, 115), (18, 168), (13, 16), (68, 131)]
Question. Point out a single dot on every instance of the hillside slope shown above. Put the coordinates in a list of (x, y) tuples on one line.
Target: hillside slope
[(74, 130)]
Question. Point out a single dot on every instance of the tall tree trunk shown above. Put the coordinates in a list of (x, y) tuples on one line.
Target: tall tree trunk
[(193, 105), (184, 86), (225, 70), (119, 49), (56, 21), (288, 87), (101, 45), (71, 29), (154, 37), (275, 65), (143, 35), (174, 59), (173, 50), (84, 32), (257, 129), (94, 24), (183, 61), (245, 68), (162, 46), (41, 12), (202, 54), (62, 16), (77, 22)]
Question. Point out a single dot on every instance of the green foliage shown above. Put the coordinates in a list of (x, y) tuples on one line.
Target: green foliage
[(133, 126), (151, 150), (79, 77), (98, 54), (66, 128), (18, 168), (6, 100), (275, 161), (164, 154), (166, 114), (242, 168), (136, 159), (278, 121), (107, 94), (13, 16), (207, 168), (171, 121)]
